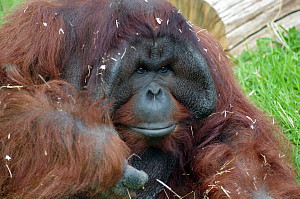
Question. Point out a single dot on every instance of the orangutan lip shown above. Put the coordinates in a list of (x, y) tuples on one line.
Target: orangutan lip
[(159, 132)]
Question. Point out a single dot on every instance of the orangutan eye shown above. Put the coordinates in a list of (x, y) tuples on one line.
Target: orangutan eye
[(141, 70), (164, 69)]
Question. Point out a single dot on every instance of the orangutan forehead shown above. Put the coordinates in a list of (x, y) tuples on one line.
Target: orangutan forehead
[(145, 4), (150, 10)]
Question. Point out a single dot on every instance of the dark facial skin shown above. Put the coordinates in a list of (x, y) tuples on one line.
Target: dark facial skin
[(151, 74)]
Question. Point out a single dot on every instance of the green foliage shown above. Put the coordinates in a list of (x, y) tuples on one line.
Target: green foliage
[(6, 6), (271, 76)]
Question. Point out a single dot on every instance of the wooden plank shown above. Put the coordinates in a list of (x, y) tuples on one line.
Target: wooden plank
[(243, 18), (233, 21), (250, 43)]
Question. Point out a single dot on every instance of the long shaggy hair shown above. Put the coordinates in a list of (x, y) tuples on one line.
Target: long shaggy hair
[(50, 133)]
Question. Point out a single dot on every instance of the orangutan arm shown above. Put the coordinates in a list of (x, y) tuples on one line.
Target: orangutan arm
[(57, 145)]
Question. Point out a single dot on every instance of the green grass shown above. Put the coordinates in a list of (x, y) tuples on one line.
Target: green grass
[(6, 6), (271, 76)]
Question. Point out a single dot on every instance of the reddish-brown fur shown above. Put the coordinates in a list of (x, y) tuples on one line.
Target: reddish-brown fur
[(232, 153), (50, 156)]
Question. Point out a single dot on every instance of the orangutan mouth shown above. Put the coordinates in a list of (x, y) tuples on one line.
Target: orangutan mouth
[(154, 132)]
